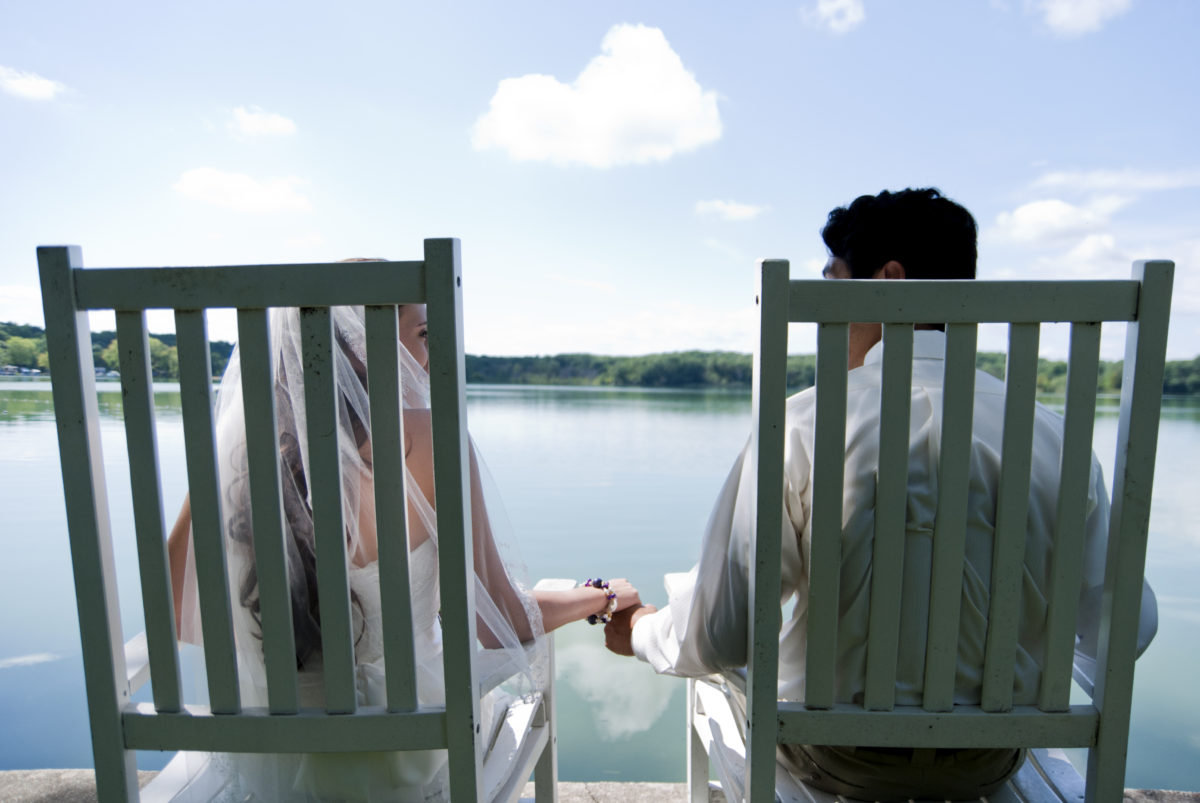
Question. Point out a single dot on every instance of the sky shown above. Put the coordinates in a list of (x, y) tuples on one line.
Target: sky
[(613, 169)]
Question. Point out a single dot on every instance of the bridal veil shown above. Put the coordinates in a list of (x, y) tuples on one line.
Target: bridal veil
[(510, 660)]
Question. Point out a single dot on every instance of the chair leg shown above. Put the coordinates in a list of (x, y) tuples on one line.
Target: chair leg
[(697, 757), (116, 775), (545, 774)]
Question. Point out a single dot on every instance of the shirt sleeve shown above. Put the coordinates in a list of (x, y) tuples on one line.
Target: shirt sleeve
[(703, 630), (1091, 593)]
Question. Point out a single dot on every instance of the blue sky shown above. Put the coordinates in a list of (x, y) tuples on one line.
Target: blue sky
[(613, 169)]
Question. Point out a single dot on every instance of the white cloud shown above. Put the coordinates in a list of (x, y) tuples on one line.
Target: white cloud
[(21, 303), (626, 697), (254, 122), (1123, 181), (839, 16), (1077, 17), (730, 210), (28, 660), (1093, 256), (634, 103), (28, 85), (1054, 221), (241, 192)]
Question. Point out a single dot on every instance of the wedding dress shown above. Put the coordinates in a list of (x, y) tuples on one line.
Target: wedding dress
[(515, 664)]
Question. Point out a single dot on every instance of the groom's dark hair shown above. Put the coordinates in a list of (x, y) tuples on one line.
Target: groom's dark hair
[(930, 235)]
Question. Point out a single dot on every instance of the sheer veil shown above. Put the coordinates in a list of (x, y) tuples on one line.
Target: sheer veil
[(511, 656)]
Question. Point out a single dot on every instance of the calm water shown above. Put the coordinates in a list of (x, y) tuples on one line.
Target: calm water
[(596, 482)]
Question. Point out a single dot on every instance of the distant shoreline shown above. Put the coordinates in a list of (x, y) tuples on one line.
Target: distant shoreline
[(24, 346)]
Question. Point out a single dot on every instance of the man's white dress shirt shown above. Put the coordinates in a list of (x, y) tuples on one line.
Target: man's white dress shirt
[(703, 630)]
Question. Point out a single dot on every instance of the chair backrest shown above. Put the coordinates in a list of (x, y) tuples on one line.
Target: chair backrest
[(119, 727), (1143, 303)]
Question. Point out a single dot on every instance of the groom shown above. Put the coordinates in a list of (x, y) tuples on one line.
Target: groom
[(914, 234)]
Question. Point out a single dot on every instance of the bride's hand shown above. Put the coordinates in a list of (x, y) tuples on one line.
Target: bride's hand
[(627, 595)]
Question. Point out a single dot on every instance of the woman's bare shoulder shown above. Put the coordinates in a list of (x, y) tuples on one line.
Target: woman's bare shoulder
[(418, 430)]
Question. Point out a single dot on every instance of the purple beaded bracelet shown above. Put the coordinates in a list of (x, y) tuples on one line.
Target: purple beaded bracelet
[(605, 616)]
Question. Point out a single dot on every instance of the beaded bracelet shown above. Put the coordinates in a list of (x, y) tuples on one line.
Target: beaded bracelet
[(605, 616)]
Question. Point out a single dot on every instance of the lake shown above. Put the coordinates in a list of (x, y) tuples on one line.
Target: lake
[(597, 482)]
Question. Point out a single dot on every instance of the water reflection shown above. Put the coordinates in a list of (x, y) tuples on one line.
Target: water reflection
[(626, 699), (608, 482)]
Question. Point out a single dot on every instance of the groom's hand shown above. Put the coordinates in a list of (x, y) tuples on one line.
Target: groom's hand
[(618, 633)]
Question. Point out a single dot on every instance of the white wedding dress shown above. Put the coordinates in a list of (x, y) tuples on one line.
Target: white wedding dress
[(408, 776), (514, 666)]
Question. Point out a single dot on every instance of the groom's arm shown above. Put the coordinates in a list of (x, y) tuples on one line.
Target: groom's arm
[(646, 633), (618, 633)]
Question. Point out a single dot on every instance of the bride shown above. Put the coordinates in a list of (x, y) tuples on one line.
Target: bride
[(511, 618)]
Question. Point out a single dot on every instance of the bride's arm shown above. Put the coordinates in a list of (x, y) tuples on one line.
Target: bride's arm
[(562, 607), (557, 607), (177, 549)]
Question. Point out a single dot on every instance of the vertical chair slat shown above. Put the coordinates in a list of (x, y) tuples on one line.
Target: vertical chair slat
[(1054, 694), (208, 541), (950, 527), (266, 507), (324, 460), (1133, 477), (77, 418), (891, 497), (447, 388), (697, 756), (1012, 508), (391, 507), (829, 468), (141, 440), (768, 406)]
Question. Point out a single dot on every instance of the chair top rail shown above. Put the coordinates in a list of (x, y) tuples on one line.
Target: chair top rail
[(962, 301), (314, 284)]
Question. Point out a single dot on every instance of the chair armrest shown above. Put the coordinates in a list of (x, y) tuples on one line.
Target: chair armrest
[(735, 678), (137, 662), (1084, 672)]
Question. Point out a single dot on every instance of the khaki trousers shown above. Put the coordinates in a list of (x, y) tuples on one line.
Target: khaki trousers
[(890, 774), (895, 774)]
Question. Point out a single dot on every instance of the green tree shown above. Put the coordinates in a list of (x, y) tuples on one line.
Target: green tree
[(164, 359), (111, 357), (22, 352)]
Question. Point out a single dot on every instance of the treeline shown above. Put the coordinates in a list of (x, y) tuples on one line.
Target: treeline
[(24, 346), (724, 369), (681, 369)]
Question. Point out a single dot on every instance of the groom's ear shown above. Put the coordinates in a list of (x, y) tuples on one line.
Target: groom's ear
[(891, 270)]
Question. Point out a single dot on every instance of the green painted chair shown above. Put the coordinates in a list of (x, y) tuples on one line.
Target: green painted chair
[(747, 765), (114, 669)]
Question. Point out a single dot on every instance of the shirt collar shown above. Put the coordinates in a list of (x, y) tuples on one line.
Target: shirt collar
[(928, 344)]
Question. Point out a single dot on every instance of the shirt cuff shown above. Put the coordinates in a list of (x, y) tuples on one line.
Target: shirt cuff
[(641, 638)]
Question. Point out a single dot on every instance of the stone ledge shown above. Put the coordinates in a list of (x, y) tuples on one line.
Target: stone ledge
[(79, 786)]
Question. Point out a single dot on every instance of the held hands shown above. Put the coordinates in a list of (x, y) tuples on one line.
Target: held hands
[(618, 594), (627, 595), (618, 633)]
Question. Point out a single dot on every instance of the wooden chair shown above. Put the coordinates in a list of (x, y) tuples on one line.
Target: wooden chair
[(114, 669), (1102, 724)]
